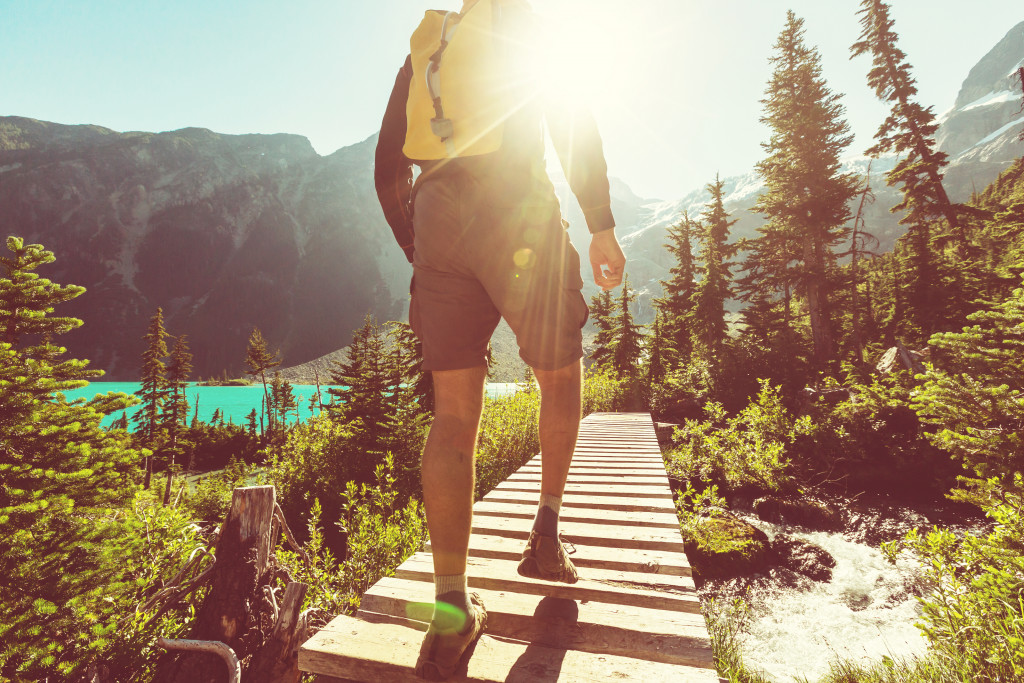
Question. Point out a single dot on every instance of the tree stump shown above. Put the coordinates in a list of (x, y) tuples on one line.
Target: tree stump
[(236, 610)]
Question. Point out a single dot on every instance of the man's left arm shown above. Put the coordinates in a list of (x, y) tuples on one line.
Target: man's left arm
[(392, 172), (578, 144)]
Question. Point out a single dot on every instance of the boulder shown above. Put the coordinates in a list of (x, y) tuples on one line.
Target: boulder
[(803, 558), (806, 512), (724, 546)]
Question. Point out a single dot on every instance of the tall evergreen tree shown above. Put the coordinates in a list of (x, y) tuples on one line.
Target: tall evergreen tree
[(369, 379), (908, 131), (153, 392), (61, 474), (176, 408), (601, 306), (806, 195), (909, 128), (657, 363), (259, 360), (676, 307), (709, 326), (409, 360), (627, 338)]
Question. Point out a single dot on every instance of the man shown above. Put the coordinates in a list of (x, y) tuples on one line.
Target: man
[(485, 236)]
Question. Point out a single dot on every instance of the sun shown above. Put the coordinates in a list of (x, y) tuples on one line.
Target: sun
[(580, 53)]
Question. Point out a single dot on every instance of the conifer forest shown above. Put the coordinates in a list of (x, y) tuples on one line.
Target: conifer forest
[(787, 371)]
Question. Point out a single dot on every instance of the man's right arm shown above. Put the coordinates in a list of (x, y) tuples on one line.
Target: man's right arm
[(392, 173)]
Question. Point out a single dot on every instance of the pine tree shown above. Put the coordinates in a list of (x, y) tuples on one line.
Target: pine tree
[(656, 343), (974, 393), (176, 407), (409, 360), (626, 337), (909, 128), (259, 360), (709, 326), (369, 378), (153, 392), (601, 313), (676, 307), (908, 132), (806, 196), (61, 474)]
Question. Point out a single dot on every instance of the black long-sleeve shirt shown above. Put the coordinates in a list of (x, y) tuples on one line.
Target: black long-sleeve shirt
[(520, 160)]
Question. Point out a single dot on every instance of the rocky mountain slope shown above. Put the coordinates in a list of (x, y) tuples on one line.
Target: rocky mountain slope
[(231, 232), (224, 232)]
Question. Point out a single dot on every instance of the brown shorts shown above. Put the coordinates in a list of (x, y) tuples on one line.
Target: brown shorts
[(480, 256)]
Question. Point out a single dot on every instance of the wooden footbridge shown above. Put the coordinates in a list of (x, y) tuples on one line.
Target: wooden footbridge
[(633, 615)]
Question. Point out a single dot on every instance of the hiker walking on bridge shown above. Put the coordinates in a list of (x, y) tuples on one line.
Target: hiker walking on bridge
[(483, 230)]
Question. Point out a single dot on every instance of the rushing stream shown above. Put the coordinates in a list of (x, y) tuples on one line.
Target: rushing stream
[(866, 612)]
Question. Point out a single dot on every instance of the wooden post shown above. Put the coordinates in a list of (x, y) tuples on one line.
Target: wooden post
[(232, 606), (278, 660)]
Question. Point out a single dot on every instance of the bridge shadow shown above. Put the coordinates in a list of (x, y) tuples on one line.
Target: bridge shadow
[(557, 626)]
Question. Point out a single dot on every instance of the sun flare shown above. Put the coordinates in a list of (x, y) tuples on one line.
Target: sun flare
[(582, 52)]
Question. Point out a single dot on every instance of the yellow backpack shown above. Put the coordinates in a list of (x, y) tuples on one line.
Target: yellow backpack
[(462, 88)]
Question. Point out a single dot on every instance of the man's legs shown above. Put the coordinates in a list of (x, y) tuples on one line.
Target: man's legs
[(560, 409)]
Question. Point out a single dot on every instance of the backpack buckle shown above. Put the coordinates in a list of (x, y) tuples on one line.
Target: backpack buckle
[(442, 128)]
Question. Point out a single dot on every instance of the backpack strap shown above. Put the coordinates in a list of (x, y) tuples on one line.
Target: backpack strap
[(441, 126)]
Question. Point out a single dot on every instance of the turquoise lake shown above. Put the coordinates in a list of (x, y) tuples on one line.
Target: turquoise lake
[(235, 402)]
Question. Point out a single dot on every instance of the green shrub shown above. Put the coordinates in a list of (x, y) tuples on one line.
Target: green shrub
[(973, 614), (603, 391), (508, 437), (749, 449), (381, 533)]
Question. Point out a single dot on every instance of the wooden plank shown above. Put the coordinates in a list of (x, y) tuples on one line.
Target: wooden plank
[(588, 534), (621, 559), (572, 501), (655, 470), (661, 520), (650, 634), (654, 591), (361, 651), (622, 481), (606, 489)]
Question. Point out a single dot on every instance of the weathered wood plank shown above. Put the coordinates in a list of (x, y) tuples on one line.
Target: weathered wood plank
[(662, 520), (646, 538), (655, 591), (363, 651), (603, 489), (621, 559), (573, 501), (590, 626)]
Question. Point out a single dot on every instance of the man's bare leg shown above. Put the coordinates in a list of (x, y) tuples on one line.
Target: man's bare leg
[(560, 409), (448, 479), (544, 557)]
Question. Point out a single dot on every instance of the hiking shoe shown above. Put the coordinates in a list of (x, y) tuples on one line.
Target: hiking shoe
[(442, 651), (545, 558)]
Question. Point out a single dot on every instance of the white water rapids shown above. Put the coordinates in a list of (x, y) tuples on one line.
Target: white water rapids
[(863, 614)]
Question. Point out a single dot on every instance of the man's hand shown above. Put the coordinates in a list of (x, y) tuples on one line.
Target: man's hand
[(607, 259)]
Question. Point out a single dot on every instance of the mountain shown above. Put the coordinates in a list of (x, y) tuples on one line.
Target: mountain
[(231, 232), (224, 232)]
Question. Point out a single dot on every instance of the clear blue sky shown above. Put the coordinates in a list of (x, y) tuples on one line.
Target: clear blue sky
[(681, 79)]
